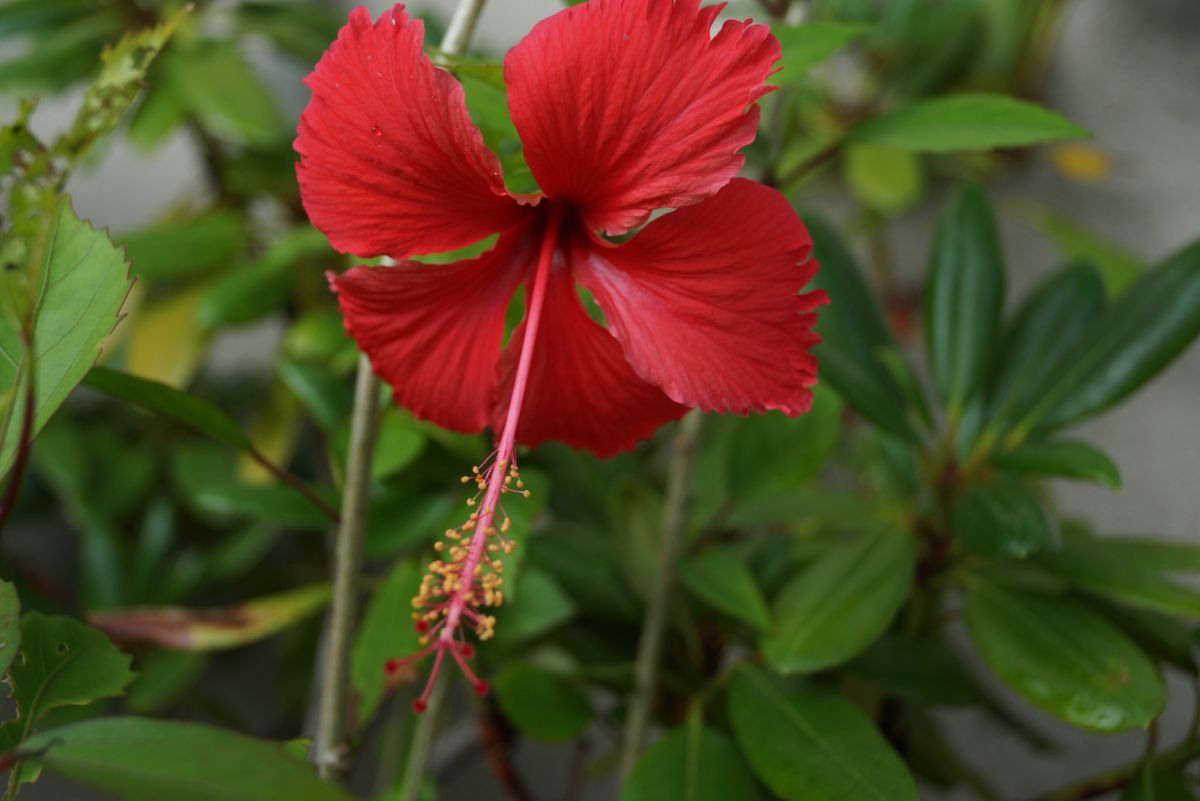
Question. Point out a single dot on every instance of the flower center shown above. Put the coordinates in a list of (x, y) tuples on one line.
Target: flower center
[(471, 577)]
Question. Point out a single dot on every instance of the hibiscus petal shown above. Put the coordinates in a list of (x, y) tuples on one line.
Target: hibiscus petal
[(625, 106), (390, 163), (581, 391), (705, 302), (434, 331)]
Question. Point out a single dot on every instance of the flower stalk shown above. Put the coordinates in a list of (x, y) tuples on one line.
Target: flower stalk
[(649, 654)]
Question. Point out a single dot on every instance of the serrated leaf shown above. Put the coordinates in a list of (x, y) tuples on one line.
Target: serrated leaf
[(84, 282), (540, 704), (840, 603), (386, 633), (805, 46), (211, 629), (964, 297), (149, 760), (10, 625), (967, 122), (1061, 458), (722, 580), (1063, 657), (809, 744), (62, 662), (1002, 518), (690, 763)]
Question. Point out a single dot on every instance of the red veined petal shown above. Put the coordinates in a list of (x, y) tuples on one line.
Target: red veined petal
[(390, 164), (625, 106), (705, 302), (581, 390), (434, 331)]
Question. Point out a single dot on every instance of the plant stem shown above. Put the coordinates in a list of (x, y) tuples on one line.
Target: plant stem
[(296, 483), (645, 676), (347, 564), (419, 745), (462, 25)]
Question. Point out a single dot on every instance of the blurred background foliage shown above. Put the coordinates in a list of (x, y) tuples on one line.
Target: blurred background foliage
[(831, 564)]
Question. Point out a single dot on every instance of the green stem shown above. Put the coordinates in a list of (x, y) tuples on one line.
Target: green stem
[(645, 675), (347, 564)]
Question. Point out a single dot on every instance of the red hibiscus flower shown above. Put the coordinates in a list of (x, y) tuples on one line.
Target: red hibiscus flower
[(624, 107)]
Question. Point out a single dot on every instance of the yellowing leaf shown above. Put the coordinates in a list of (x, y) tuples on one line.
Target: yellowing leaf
[(167, 342)]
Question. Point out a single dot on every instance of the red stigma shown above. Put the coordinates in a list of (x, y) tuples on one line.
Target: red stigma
[(419, 706), (422, 626), (392, 666), (481, 688), (467, 650)]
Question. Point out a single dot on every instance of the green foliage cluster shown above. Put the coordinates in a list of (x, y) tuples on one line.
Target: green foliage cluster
[(829, 561)]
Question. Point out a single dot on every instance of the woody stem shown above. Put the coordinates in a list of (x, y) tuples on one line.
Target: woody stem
[(645, 675), (508, 435)]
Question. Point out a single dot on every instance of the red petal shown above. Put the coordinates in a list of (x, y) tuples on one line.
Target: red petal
[(581, 390), (625, 107), (704, 302), (390, 163), (434, 331)]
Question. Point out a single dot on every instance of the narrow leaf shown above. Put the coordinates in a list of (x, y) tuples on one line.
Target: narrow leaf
[(967, 122), (1062, 458)]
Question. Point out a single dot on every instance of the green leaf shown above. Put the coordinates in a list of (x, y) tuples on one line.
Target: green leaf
[(221, 89), (1088, 563), (853, 333), (925, 671), (163, 678), (299, 29), (182, 248), (386, 633), (60, 55), (805, 46), (840, 603), (690, 763), (534, 605), (1118, 267), (721, 579), (81, 285), (200, 630), (189, 410), (809, 744), (1062, 458), (1139, 335), (1151, 554), (23, 16), (1002, 518), (964, 297), (1050, 321), (63, 663), (966, 122), (540, 704), (1157, 783), (149, 760), (1063, 657), (10, 625), (884, 179)]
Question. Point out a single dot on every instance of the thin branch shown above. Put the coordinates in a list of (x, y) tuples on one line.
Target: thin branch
[(422, 741), (347, 564), (296, 483), (645, 677), (497, 744)]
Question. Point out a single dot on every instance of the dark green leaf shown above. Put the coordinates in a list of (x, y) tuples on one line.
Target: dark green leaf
[(62, 54), (841, 603), (540, 704), (806, 46), (23, 16), (1117, 266), (809, 744), (534, 604), (925, 671), (1063, 458), (189, 410), (853, 334), (221, 89), (302, 30), (1157, 783), (1148, 553), (967, 122), (964, 297), (1063, 657), (690, 763), (10, 625), (163, 678), (81, 286), (1050, 321), (1002, 518), (249, 292), (182, 248), (386, 633), (1137, 337), (149, 760), (722, 580), (1088, 563)]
